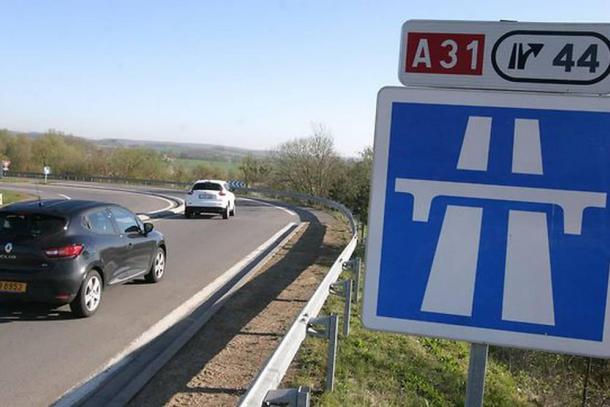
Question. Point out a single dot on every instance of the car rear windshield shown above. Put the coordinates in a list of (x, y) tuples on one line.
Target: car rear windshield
[(207, 186), (30, 225)]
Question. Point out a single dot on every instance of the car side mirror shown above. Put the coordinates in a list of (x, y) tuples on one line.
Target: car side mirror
[(148, 227), (132, 229)]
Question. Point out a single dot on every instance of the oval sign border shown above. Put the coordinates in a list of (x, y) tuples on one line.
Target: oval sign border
[(555, 81)]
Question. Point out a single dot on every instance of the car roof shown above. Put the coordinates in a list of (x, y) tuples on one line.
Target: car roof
[(63, 207), (217, 181)]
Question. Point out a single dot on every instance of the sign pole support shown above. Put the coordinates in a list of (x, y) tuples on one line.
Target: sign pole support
[(475, 386), (585, 388)]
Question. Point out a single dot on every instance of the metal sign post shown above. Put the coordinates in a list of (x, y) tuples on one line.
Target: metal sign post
[(47, 171), (477, 367), (5, 167)]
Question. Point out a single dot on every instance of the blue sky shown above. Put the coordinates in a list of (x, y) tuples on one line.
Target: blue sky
[(241, 73)]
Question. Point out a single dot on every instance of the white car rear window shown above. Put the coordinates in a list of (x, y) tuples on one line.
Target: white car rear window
[(207, 186)]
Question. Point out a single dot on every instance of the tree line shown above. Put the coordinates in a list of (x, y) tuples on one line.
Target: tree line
[(309, 165), (70, 155)]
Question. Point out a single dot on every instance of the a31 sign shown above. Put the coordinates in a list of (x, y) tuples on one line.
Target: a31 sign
[(506, 55), (442, 53)]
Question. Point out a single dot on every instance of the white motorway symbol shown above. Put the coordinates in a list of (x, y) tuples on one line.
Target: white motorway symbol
[(527, 281)]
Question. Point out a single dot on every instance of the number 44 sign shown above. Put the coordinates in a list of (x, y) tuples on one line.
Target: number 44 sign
[(506, 55)]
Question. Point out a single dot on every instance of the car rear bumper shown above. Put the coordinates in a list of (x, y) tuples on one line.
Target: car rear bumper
[(208, 208), (57, 286)]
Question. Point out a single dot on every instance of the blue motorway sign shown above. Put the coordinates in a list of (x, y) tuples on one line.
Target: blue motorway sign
[(489, 219)]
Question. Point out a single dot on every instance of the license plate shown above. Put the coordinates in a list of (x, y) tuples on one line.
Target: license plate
[(206, 196), (12, 287)]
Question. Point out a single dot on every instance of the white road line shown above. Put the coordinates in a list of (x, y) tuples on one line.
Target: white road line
[(167, 208), (288, 211), (79, 391), (179, 208), (115, 190), (64, 196)]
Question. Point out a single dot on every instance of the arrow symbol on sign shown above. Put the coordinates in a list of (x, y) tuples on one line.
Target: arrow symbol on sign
[(519, 57)]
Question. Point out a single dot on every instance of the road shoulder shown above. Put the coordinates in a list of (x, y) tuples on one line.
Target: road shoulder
[(217, 365)]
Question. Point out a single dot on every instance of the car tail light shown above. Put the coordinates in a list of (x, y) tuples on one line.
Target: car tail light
[(222, 193), (62, 297), (73, 251)]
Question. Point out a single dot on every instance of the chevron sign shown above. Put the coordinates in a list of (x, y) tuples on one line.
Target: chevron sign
[(489, 219), (235, 184)]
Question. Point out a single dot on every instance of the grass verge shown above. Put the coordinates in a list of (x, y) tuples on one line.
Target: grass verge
[(382, 369), (9, 197)]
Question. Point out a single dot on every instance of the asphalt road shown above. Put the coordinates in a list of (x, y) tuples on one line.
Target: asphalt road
[(137, 202), (44, 352)]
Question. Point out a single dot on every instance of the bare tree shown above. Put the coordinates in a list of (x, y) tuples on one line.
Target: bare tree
[(306, 164), (253, 169)]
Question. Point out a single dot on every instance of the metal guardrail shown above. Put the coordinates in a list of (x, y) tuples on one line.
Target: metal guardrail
[(96, 178), (271, 375), (307, 198)]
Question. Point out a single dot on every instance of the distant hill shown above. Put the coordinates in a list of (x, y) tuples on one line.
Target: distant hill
[(32, 134), (194, 151), (183, 151)]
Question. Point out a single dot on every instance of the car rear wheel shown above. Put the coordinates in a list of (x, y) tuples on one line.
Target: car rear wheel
[(89, 296), (232, 213), (187, 213), (157, 270), (225, 213)]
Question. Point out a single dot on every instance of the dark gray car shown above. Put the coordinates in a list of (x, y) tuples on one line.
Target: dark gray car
[(69, 251)]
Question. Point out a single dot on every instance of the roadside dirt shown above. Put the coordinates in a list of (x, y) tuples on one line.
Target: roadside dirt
[(217, 365)]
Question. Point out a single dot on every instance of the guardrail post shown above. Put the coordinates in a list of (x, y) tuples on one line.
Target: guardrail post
[(357, 270), (288, 397), (332, 353), (344, 289), (355, 266), (327, 327)]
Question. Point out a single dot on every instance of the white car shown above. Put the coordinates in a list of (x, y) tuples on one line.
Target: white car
[(210, 196)]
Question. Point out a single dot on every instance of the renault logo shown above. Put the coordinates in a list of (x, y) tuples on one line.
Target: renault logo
[(8, 248)]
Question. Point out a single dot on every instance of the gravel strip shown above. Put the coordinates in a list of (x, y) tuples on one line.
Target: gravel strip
[(217, 365)]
